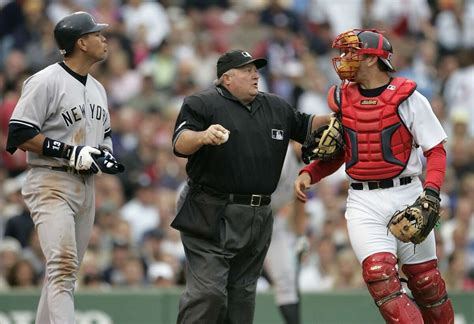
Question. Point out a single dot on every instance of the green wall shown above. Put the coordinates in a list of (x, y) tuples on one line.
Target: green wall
[(160, 307)]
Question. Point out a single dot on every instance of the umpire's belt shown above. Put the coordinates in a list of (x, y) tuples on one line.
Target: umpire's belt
[(252, 200), (382, 184), (239, 199)]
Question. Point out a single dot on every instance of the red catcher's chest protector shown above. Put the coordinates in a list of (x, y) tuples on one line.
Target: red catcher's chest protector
[(378, 142)]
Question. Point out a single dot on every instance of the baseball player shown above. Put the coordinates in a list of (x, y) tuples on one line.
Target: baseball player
[(385, 120), (63, 123), (288, 240)]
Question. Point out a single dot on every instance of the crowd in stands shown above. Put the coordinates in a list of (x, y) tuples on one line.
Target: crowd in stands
[(162, 51)]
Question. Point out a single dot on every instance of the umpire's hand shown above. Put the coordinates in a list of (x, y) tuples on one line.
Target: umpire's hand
[(215, 135), (302, 183)]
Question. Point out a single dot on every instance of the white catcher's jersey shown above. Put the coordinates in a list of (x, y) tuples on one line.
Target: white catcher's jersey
[(59, 106)]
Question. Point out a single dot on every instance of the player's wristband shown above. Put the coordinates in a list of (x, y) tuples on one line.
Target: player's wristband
[(432, 192), (56, 148)]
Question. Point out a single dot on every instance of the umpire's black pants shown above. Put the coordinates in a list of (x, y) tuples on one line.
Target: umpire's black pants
[(221, 277)]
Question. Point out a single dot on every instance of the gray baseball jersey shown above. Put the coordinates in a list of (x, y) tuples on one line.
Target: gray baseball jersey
[(58, 105)]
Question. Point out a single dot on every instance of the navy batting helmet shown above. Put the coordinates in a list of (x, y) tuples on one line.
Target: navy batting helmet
[(69, 29)]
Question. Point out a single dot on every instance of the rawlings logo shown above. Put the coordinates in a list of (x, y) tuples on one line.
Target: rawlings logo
[(368, 102)]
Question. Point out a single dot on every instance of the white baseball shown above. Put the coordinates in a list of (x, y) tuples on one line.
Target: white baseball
[(224, 136)]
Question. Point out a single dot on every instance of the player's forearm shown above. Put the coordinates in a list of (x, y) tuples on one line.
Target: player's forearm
[(319, 121), (189, 142), (435, 167), (34, 144)]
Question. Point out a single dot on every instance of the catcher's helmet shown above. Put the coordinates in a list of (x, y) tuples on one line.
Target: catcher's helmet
[(353, 44), (69, 29)]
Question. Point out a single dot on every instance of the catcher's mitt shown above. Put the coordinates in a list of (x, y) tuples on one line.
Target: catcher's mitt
[(414, 223), (325, 143)]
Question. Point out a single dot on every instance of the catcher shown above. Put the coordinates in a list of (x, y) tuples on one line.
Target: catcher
[(383, 121)]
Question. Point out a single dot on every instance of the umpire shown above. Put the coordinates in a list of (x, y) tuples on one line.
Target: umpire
[(235, 139)]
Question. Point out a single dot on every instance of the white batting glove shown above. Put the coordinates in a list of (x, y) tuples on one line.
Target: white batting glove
[(80, 158)]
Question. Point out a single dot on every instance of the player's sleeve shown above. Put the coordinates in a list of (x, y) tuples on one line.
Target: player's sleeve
[(29, 113), (418, 116), (191, 117), (320, 169), (300, 123)]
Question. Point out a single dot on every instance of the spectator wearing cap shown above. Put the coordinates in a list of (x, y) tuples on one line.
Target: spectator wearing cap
[(160, 275), (235, 138)]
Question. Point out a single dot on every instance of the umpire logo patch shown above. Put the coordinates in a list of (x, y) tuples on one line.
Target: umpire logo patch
[(277, 134)]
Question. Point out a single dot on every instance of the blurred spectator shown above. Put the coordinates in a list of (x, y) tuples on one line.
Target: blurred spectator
[(148, 100), (22, 275), (335, 13), (34, 254), (141, 212), (348, 272), (410, 17), (149, 15), (89, 274), (276, 14), (124, 82), (20, 227), (318, 274), (134, 273), (114, 273), (456, 276), (160, 275), (10, 253), (249, 32)]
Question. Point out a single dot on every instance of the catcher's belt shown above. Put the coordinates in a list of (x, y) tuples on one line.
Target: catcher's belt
[(382, 184)]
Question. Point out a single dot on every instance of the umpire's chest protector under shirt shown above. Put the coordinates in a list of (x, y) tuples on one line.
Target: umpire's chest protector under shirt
[(250, 161)]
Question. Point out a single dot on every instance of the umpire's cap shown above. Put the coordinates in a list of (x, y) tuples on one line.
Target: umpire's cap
[(237, 58), (69, 29)]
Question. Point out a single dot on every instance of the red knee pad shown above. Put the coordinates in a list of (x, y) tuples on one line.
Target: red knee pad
[(381, 276), (429, 290), (425, 282)]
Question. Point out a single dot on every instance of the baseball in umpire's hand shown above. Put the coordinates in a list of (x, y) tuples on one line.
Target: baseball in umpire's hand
[(224, 136), (215, 135)]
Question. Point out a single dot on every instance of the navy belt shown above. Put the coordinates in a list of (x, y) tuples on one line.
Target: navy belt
[(382, 184)]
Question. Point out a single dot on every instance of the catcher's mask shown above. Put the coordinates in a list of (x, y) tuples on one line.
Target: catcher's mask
[(356, 43)]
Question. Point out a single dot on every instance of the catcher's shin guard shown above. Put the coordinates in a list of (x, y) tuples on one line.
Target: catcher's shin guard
[(381, 277), (429, 290)]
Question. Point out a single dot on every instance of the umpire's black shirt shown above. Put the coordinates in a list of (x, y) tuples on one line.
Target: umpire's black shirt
[(250, 161)]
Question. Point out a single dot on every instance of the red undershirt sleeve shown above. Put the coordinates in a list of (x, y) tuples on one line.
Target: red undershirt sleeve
[(435, 167), (319, 169)]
